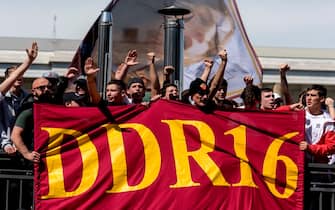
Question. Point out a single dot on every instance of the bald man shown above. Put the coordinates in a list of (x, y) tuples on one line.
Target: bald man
[(22, 135)]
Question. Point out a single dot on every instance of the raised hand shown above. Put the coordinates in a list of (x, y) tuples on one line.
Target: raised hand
[(72, 73), (168, 70), (151, 57), (131, 57), (32, 52), (329, 102), (248, 80), (223, 54), (90, 68), (284, 67), (208, 62)]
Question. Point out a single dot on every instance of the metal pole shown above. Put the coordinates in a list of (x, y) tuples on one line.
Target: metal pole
[(174, 41), (170, 43), (180, 53), (174, 48), (104, 51)]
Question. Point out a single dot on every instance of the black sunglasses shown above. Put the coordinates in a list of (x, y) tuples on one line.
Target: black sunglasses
[(43, 87)]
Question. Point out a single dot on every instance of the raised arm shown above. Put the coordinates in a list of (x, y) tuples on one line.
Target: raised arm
[(330, 106), (219, 74), (208, 67), (283, 83), (155, 86), (91, 73), (31, 56), (130, 60)]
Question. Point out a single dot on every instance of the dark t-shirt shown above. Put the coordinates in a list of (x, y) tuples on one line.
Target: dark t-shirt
[(25, 121)]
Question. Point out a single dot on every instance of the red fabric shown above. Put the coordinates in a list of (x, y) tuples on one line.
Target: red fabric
[(324, 147), (261, 128), (283, 108)]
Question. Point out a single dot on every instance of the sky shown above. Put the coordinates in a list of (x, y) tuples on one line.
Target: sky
[(268, 23)]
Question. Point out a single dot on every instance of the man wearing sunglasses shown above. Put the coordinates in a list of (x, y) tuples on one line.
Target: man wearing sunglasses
[(22, 135)]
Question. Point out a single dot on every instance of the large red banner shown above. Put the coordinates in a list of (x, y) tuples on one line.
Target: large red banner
[(167, 156)]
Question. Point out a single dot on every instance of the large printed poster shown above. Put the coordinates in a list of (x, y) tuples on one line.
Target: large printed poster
[(212, 26), (167, 156)]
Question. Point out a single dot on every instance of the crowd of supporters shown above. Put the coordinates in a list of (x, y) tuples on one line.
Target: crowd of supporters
[(75, 90)]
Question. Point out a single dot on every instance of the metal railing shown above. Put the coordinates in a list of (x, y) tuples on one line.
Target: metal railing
[(320, 186), (16, 184)]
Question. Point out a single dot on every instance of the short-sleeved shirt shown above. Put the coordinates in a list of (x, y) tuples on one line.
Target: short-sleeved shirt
[(25, 121)]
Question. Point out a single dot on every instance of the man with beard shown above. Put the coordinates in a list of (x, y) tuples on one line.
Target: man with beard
[(22, 135), (135, 90)]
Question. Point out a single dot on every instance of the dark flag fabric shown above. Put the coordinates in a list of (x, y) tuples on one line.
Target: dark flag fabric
[(212, 25), (167, 156)]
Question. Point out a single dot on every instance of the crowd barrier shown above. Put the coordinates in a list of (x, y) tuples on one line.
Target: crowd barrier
[(320, 186), (16, 184)]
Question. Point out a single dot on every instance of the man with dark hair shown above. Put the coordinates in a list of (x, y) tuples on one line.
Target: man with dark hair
[(319, 127), (115, 89), (220, 97), (267, 99), (198, 93), (115, 92), (170, 91), (135, 90)]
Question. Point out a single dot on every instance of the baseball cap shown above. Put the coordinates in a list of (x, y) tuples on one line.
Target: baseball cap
[(72, 96), (198, 86)]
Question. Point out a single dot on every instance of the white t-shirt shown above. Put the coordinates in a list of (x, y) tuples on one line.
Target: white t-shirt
[(316, 126)]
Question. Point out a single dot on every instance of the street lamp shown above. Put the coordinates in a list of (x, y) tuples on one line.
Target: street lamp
[(174, 40), (104, 51)]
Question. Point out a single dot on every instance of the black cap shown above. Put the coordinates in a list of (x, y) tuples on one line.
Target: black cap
[(135, 80), (198, 86), (72, 96), (81, 83)]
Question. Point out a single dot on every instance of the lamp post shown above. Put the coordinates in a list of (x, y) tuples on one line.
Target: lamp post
[(174, 40), (104, 51)]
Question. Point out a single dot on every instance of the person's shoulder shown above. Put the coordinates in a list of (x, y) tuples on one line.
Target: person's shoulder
[(26, 112)]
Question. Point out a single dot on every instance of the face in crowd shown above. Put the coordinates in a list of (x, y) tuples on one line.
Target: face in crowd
[(41, 89), (314, 100), (221, 94), (115, 94), (171, 92), (136, 91), (267, 99), (200, 99)]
